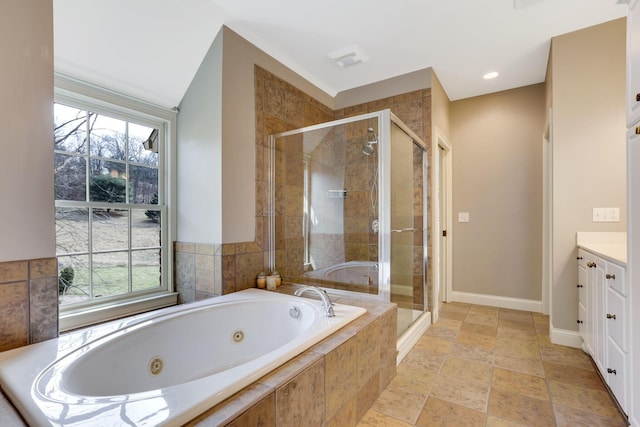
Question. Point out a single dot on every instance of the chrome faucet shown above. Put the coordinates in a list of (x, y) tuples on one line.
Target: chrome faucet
[(326, 301)]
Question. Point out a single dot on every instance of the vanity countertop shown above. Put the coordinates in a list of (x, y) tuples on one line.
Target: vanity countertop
[(609, 245)]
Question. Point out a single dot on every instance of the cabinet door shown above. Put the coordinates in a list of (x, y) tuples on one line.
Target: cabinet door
[(616, 319), (633, 63), (584, 303), (615, 373), (597, 279), (615, 278)]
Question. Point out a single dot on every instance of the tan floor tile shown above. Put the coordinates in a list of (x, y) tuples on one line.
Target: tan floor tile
[(452, 315), (572, 375), (595, 401), (469, 352), (543, 340), (487, 319), (516, 315), (499, 422), (519, 408), (518, 334), (448, 323), (476, 328), (527, 385), (541, 328), (404, 397), (455, 306), (517, 348), (420, 359), (433, 344), (483, 309), (467, 370), (375, 418), (524, 366), (517, 325), (475, 340), (441, 413), (461, 392), (570, 417), (566, 356), (442, 332)]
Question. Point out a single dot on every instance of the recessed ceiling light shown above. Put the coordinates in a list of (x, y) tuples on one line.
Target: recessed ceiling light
[(491, 75)]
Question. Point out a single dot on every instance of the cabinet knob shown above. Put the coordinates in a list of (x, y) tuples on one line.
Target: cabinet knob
[(638, 130), (611, 371), (611, 316), (579, 321), (579, 286), (591, 264), (610, 276), (637, 97), (579, 258)]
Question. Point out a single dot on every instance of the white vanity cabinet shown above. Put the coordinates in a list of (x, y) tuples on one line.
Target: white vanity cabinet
[(603, 317)]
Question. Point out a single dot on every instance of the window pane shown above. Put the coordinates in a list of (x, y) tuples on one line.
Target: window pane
[(70, 175), (145, 228), (145, 271), (69, 129), (72, 230), (107, 182), (110, 274), (108, 138), (73, 279), (110, 229), (137, 153), (143, 185)]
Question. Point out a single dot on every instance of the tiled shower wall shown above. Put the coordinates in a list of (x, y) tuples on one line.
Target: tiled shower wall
[(281, 107), (28, 302)]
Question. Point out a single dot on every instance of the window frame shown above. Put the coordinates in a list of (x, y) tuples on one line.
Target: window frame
[(80, 95)]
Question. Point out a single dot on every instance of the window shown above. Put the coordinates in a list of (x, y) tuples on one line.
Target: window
[(110, 211)]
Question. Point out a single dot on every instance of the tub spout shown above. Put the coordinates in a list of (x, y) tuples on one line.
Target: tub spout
[(326, 301)]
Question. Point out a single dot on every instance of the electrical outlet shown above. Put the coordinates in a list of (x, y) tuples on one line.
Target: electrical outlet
[(463, 216)]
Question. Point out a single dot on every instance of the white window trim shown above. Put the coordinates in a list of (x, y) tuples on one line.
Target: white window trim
[(69, 90)]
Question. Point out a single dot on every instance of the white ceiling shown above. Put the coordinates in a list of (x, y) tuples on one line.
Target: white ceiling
[(151, 49)]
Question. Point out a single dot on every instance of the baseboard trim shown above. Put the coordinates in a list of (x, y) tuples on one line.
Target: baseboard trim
[(565, 337), (497, 301)]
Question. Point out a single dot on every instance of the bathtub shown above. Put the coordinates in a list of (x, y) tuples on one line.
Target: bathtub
[(351, 272), (164, 367)]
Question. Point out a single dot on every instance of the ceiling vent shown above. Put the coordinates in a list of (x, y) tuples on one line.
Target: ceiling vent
[(348, 56)]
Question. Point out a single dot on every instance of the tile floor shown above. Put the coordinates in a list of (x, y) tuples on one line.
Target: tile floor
[(484, 366)]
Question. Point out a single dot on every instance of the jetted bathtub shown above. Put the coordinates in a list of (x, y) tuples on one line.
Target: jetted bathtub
[(164, 367)]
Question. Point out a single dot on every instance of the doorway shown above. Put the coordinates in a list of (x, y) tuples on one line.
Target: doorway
[(443, 223)]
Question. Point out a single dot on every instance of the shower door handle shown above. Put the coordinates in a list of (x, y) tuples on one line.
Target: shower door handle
[(402, 230)]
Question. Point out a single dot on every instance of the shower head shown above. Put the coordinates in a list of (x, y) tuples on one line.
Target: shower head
[(372, 139)]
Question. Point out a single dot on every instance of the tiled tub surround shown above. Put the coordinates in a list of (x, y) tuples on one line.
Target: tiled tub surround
[(334, 383), (28, 302)]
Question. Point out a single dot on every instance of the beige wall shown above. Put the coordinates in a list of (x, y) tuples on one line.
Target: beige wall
[(440, 106), (497, 178), (28, 268), (588, 133), (235, 150), (27, 227)]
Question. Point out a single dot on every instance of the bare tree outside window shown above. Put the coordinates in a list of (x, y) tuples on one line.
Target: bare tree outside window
[(108, 220)]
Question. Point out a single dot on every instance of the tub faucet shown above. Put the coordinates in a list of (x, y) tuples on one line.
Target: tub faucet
[(326, 301)]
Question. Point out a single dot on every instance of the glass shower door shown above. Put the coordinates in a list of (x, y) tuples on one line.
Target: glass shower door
[(407, 263)]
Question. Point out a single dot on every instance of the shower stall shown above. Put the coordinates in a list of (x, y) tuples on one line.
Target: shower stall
[(347, 211)]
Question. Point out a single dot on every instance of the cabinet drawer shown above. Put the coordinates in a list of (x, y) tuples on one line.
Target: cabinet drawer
[(615, 279), (615, 373), (616, 318)]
